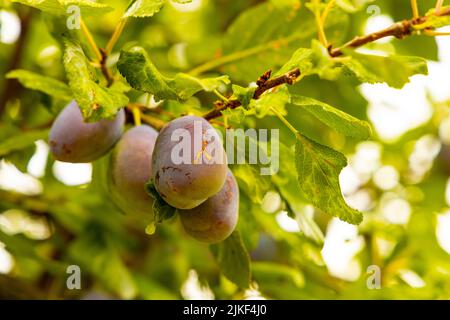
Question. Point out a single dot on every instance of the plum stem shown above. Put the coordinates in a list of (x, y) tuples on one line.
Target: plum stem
[(115, 36), (137, 116), (90, 40)]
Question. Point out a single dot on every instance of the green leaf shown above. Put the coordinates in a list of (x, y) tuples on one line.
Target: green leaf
[(367, 68), (59, 7), (301, 59), (147, 8), (137, 68), (21, 141), (265, 36), (49, 86), (186, 86), (243, 95), (139, 71), (434, 21), (313, 61), (144, 8), (318, 169), (334, 118), (277, 99), (233, 259), (96, 101), (161, 209), (394, 70)]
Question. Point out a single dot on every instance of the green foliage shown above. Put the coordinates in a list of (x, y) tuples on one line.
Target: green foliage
[(173, 62), (253, 48), (21, 141), (59, 7), (373, 69), (43, 84), (318, 169), (96, 101), (161, 210), (334, 118), (233, 260), (147, 8), (136, 66)]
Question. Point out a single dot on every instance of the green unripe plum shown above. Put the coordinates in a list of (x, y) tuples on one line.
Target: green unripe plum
[(216, 218), (73, 140), (130, 169), (189, 163)]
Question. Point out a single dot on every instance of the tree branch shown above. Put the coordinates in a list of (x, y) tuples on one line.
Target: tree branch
[(399, 30), (264, 83)]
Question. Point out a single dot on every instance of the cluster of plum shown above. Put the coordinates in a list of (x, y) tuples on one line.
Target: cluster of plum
[(205, 193)]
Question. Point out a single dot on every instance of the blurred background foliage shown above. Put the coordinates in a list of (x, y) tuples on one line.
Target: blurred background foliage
[(53, 215)]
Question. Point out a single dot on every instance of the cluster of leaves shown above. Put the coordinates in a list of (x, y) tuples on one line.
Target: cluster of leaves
[(226, 42)]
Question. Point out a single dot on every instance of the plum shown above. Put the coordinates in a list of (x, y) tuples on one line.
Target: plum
[(216, 218), (189, 163), (73, 140), (129, 171)]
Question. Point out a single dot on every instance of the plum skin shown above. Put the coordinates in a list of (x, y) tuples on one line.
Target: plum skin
[(187, 185), (73, 140), (130, 169), (216, 218)]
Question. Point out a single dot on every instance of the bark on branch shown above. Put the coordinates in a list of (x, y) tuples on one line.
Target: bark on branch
[(264, 83), (399, 30)]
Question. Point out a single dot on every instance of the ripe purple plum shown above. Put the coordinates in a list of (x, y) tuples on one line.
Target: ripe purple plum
[(216, 218), (130, 169), (73, 140), (189, 163)]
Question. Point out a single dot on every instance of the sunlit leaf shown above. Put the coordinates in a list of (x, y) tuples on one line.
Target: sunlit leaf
[(47, 85), (318, 169), (233, 260), (96, 101), (338, 120)]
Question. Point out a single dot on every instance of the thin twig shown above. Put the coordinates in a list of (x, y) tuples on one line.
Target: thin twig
[(436, 34), (327, 10), (398, 30), (439, 5), (415, 9), (90, 40), (320, 29), (105, 70), (115, 36), (264, 83)]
